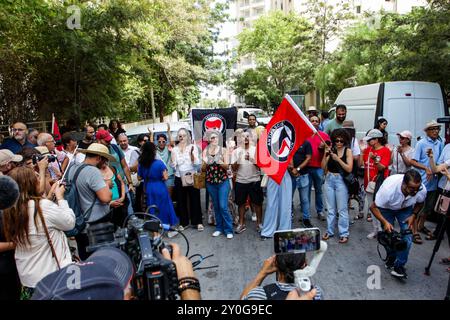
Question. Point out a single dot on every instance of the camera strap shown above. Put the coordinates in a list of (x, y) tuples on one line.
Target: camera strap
[(201, 258)]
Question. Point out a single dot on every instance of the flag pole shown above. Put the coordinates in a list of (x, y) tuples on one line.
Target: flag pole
[(53, 123)]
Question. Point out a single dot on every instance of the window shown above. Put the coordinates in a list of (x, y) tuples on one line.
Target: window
[(358, 9)]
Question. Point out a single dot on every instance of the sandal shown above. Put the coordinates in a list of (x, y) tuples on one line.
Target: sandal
[(343, 240), (369, 217), (326, 236), (424, 230), (417, 238), (430, 237)]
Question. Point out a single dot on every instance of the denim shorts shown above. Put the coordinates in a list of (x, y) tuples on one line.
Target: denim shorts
[(170, 182)]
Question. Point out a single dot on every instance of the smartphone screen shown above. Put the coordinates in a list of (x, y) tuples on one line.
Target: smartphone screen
[(297, 240)]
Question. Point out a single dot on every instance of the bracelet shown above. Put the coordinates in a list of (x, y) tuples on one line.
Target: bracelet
[(187, 278), (192, 286)]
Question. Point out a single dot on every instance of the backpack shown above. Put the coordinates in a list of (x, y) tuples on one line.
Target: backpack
[(72, 197), (273, 292)]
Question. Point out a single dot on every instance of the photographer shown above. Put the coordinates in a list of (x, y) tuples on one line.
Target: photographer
[(400, 198), (284, 288), (107, 275)]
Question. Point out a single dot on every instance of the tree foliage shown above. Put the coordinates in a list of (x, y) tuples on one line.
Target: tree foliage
[(124, 49), (413, 46), (285, 54)]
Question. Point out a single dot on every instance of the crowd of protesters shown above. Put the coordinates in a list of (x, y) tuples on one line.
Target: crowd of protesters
[(114, 179)]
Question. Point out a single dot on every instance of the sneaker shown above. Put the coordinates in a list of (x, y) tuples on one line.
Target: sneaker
[(390, 262), (307, 223), (320, 216), (200, 227), (399, 272), (240, 228), (264, 238), (372, 235), (230, 236), (216, 233), (179, 228), (253, 216), (172, 234)]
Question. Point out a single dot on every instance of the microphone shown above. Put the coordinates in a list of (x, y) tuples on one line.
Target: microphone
[(9, 192)]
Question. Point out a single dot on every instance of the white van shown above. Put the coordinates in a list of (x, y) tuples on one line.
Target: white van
[(262, 118), (406, 105)]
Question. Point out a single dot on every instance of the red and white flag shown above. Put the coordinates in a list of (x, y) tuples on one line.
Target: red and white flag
[(55, 133), (284, 134)]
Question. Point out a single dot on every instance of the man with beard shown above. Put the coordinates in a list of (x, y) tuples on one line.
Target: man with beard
[(18, 140), (341, 114), (88, 139)]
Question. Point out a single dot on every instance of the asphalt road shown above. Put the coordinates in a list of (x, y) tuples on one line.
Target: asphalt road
[(343, 271)]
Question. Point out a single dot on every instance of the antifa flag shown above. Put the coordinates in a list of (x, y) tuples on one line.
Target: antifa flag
[(284, 134), (224, 120)]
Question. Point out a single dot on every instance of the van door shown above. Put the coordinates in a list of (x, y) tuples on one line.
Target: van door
[(426, 110), (400, 116)]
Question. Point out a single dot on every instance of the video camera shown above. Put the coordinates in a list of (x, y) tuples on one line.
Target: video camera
[(155, 277), (393, 241), (38, 157)]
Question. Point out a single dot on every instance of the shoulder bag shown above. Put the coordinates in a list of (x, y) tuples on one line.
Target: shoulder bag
[(443, 201)]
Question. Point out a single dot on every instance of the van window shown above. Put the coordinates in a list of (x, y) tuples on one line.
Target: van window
[(363, 117), (399, 114)]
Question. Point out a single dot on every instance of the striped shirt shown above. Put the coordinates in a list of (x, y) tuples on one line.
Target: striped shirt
[(258, 293)]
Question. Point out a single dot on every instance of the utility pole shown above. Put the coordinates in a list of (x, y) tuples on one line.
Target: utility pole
[(152, 100)]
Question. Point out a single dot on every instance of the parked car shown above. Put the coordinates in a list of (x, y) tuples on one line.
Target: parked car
[(406, 105), (262, 118), (157, 128)]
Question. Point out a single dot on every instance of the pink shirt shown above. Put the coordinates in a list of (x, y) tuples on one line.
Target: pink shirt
[(317, 154)]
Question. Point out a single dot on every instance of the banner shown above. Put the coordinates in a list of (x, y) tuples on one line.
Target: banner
[(284, 134), (224, 120)]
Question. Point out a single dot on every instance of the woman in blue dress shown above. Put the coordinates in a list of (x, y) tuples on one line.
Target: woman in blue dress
[(154, 173)]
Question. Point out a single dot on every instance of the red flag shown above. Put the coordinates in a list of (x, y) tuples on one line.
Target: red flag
[(55, 133), (284, 134)]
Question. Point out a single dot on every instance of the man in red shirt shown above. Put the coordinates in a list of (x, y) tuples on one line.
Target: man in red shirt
[(376, 158), (314, 167)]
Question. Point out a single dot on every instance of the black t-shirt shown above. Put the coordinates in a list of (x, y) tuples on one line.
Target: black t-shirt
[(83, 145), (300, 156), (7, 261)]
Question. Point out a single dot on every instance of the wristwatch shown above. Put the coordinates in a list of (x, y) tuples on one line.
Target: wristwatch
[(298, 168)]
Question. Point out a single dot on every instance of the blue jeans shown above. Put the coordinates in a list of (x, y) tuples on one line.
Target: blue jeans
[(219, 195), (337, 197), (302, 185), (316, 178), (401, 216)]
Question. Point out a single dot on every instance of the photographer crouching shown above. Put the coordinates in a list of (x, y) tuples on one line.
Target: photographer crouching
[(400, 198)]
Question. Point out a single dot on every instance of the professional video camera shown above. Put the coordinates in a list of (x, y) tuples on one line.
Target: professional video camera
[(38, 157), (155, 277), (393, 240)]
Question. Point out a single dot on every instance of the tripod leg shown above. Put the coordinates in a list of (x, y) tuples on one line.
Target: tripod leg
[(447, 296), (437, 244)]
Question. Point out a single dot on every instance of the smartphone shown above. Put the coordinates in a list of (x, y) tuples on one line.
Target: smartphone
[(296, 240)]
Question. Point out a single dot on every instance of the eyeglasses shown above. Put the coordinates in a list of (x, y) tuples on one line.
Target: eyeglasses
[(434, 129), (339, 141), (213, 138), (162, 141), (17, 129), (413, 191)]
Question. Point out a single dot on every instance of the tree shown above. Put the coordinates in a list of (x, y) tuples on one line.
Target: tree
[(284, 51)]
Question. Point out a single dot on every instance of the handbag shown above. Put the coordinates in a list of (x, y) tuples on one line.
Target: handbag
[(187, 179), (264, 181), (371, 184), (443, 201), (200, 180)]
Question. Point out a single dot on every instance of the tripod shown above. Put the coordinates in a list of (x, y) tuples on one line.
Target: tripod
[(438, 243)]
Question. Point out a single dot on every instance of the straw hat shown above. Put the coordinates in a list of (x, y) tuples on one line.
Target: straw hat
[(431, 124), (98, 149)]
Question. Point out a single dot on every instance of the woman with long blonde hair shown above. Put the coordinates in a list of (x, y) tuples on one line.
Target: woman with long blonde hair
[(36, 226)]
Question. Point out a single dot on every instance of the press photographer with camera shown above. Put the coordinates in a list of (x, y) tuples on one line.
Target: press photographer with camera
[(400, 198), (107, 275)]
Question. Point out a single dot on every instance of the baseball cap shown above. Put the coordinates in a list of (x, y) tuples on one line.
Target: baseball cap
[(103, 135), (103, 276), (6, 156), (372, 134), (405, 134)]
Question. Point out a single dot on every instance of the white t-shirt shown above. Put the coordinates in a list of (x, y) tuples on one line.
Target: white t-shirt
[(398, 166), (36, 261), (181, 161), (247, 171), (390, 195), (131, 155), (356, 150)]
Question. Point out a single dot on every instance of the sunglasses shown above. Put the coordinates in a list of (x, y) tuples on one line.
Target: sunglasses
[(162, 141), (434, 129), (339, 141)]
